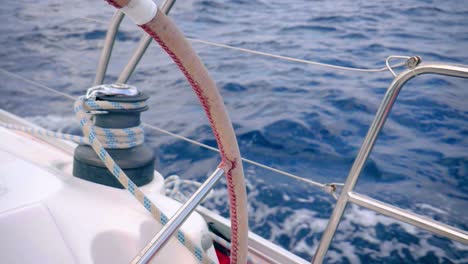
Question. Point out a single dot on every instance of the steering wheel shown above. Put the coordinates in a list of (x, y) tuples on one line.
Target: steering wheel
[(170, 38)]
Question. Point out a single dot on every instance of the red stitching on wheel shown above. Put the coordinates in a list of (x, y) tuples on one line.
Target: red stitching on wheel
[(233, 201), (231, 164), (113, 3)]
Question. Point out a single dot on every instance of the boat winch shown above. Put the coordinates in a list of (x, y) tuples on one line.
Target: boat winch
[(115, 111)]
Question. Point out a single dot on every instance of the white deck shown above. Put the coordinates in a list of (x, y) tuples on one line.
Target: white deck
[(49, 216)]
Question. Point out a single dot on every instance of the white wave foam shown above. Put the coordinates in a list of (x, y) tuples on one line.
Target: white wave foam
[(361, 232)]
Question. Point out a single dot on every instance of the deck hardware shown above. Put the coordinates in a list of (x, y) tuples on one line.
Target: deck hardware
[(162, 237), (111, 89), (391, 57), (122, 115), (348, 195), (413, 61), (331, 188)]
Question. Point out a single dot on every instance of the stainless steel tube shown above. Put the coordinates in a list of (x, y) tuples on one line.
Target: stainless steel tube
[(108, 45), (369, 141), (409, 217), (178, 219), (167, 6), (145, 41)]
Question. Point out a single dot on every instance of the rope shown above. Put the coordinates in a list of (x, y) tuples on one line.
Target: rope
[(328, 188), (101, 139), (89, 132), (47, 133), (110, 138)]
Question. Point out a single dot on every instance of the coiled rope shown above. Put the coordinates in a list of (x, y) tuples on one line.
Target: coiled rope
[(92, 133), (110, 138)]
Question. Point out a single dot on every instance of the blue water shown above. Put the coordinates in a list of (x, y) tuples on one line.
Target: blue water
[(303, 119)]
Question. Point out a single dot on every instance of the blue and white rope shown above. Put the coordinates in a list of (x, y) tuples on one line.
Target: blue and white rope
[(109, 138), (45, 132), (100, 139), (90, 132)]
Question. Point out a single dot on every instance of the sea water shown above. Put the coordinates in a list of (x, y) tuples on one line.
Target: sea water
[(303, 119)]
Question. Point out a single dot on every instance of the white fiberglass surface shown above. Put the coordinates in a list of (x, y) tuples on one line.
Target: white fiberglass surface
[(85, 222)]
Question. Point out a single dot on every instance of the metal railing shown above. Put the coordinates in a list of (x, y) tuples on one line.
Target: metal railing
[(163, 236), (109, 41), (348, 195), (108, 46)]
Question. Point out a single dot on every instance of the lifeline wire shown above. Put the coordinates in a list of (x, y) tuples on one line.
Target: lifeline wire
[(316, 63), (328, 188), (281, 57)]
